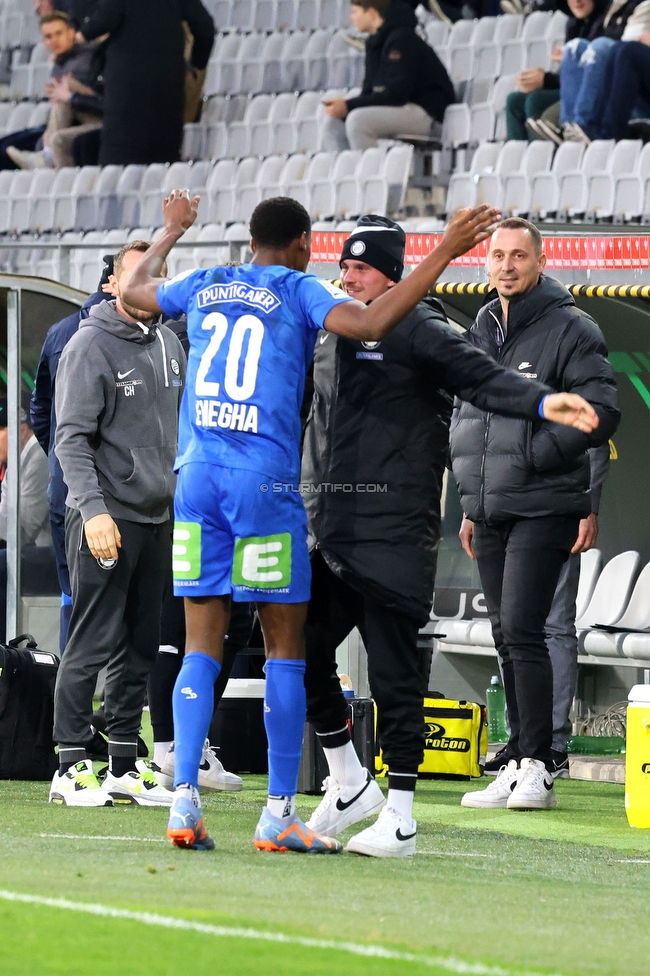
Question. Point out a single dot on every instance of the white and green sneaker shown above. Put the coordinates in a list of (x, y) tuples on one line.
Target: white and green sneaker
[(138, 786), (79, 787)]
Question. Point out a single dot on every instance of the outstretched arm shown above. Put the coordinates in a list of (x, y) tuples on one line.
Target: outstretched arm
[(351, 319)]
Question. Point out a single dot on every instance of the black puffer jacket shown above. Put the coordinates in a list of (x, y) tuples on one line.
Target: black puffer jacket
[(401, 67), (376, 445), (514, 468)]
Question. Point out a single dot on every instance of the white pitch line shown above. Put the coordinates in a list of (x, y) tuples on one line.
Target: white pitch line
[(148, 840), (352, 948), (455, 854), (630, 860)]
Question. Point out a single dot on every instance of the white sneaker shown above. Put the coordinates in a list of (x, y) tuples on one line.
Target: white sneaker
[(79, 787), (390, 836), (212, 775), (497, 793), (139, 786), (343, 806), (24, 159), (534, 790)]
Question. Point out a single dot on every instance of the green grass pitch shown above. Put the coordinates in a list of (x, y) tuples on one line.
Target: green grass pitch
[(490, 893)]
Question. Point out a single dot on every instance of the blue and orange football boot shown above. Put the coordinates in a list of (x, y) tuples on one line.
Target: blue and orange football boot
[(273, 834), (186, 828)]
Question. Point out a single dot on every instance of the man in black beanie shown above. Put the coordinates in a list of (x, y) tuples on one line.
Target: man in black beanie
[(375, 450)]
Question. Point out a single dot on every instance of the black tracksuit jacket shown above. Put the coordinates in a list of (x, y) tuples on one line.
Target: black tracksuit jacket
[(401, 67), (508, 469), (380, 417)]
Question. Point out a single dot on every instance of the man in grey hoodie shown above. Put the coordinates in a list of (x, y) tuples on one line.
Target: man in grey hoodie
[(118, 391)]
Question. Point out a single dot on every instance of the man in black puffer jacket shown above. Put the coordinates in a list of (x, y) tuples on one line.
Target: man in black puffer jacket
[(524, 488), (374, 455), (406, 87)]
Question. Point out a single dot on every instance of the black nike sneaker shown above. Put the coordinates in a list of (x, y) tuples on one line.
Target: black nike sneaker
[(502, 758), (343, 805), (559, 765)]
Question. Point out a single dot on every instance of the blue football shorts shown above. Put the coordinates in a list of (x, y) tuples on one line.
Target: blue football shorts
[(234, 535)]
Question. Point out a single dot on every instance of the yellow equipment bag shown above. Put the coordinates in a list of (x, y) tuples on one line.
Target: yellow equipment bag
[(456, 740)]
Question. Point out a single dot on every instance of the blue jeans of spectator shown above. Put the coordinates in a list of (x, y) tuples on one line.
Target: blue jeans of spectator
[(629, 83), (584, 81)]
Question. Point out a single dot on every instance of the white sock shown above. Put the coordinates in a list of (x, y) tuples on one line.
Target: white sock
[(160, 750), (402, 801), (281, 806), (344, 765)]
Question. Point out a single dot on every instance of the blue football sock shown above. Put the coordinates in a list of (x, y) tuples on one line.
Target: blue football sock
[(193, 704), (285, 709)]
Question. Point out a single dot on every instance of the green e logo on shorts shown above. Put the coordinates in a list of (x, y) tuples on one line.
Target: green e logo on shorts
[(186, 550), (263, 562)]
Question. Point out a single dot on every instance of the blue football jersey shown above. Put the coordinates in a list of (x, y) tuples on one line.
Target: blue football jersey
[(252, 331)]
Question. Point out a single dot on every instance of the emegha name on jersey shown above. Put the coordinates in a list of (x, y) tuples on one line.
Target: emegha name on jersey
[(235, 416)]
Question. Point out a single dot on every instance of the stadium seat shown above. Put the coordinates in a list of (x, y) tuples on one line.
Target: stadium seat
[(292, 65), (242, 16), (461, 33), (20, 198), (507, 28), (349, 189), (628, 198), (286, 14), (461, 192), (339, 59), (485, 158), (315, 60), (293, 176), (538, 55), (145, 180), (437, 32), (265, 16), (322, 189), (480, 634), (385, 194), (612, 591), (643, 163), (489, 189), (600, 196), (513, 55), (502, 88), (218, 204), (511, 157), (516, 195), (544, 194), (264, 133), (86, 264), (636, 617), (572, 198), (591, 564), (221, 68), (286, 132), (239, 133), (249, 192), (308, 15), (482, 123), (248, 53), (487, 61), (298, 183), (456, 126), (535, 25), (568, 157), (537, 158), (192, 176), (207, 258), (88, 215)]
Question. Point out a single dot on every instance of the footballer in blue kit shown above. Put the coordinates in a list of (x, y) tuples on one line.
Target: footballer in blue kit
[(240, 525), (252, 331)]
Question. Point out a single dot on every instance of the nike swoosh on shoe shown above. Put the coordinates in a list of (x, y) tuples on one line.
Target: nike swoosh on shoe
[(341, 805), (401, 836)]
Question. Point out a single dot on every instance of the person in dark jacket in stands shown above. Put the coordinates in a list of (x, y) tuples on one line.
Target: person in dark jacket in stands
[(406, 88), (538, 89), (525, 487), (375, 450), (144, 74)]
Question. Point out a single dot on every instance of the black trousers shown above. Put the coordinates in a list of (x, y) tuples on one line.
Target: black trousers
[(115, 621), (519, 562), (394, 671)]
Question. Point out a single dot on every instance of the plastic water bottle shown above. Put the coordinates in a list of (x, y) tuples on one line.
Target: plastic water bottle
[(637, 757), (495, 698)]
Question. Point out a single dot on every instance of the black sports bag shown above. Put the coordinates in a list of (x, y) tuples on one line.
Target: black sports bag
[(27, 678)]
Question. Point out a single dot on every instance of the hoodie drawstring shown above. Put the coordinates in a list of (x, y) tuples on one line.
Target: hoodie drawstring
[(164, 354)]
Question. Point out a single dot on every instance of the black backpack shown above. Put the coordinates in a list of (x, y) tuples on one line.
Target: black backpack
[(27, 679)]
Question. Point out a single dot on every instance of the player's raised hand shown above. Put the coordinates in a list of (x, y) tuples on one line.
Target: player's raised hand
[(179, 211), (469, 227), (571, 410)]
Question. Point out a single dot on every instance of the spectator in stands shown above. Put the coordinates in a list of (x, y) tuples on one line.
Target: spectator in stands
[(539, 89), (406, 88), (144, 74), (75, 101), (77, 10), (118, 390), (43, 420), (629, 82), (586, 70), (38, 574), (525, 488)]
